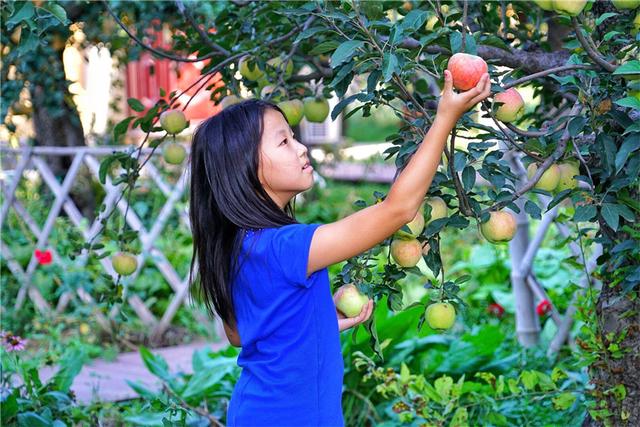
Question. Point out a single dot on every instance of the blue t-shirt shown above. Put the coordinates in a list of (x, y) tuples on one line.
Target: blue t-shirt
[(291, 359)]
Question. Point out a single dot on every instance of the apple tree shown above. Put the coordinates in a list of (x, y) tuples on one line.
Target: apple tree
[(571, 159)]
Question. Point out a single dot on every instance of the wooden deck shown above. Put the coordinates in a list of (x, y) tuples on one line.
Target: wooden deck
[(101, 380)]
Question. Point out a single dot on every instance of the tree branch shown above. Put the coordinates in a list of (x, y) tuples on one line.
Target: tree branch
[(593, 54), (186, 13)]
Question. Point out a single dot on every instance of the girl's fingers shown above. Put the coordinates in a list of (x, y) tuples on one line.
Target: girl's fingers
[(448, 81)]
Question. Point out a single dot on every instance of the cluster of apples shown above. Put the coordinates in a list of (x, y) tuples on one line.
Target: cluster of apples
[(559, 176), (173, 121), (314, 108)]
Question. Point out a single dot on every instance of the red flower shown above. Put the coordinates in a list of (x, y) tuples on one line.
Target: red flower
[(495, 309), (543, 307), (43, 257)]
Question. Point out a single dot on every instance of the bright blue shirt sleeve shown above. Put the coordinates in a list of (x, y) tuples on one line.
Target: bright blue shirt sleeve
[(291, 245), (291, 359)]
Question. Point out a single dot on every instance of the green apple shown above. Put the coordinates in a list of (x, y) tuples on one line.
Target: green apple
[(124, 263), (247, 71), (274, 67), (440, 315), (549, 179), (501, 227), (372, 9), (406, 253), (351, 301), (625, 4), (293, 111), (316, 110), (438, 208), (544, 4), (636, 25), (275, 94), (173, 121), (416, 225), (568, 171), (569, 7), (174, 153), (229, 100)]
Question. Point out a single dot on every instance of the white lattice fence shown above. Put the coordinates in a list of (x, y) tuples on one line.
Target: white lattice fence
[(31, 158)]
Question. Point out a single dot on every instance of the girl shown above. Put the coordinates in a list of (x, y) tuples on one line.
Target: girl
[(265, 274)]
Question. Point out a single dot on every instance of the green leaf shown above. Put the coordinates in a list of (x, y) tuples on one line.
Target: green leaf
[(443, 386), (629, 145), (532, 209), (413, 21), (135, 105), (529, 379), (141, 389), (9, 406), (155, 364), (57, 11), (31, 419), (584, 213), (324, 47), (576, 125), (121, 128), (23, 14), (308, 33), (468, 178), (563, 401), (345, 52), (611, 214), (629, 67), (389, 65), (629, 101), (604, 16)]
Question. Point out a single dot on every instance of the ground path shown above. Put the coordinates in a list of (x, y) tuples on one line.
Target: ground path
[(106, 380)]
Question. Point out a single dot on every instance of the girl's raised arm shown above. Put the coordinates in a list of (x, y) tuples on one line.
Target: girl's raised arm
[(350, 236)]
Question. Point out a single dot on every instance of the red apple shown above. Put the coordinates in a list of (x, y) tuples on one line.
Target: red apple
[(466, 70), (512, 106), (406, 253)]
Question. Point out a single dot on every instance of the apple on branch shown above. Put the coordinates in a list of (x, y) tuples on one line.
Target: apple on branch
[(501, 227), (349, 300), (466, 70), (406, 253)]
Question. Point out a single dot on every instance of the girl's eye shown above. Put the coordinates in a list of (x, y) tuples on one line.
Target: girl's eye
[(284, 140)]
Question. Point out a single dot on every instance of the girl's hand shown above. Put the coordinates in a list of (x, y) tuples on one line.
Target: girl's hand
[(453, 104), (349, 322)]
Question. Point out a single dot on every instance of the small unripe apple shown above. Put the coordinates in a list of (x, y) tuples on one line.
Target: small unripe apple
[(351, 301), (293, 111), (625, 4), (501, 227), (416, 225), (512, 107), (274, 67), (406, 253), (174, 153), (173, 121), (124, 263), (248, 72), (440, 315), (466, 70), (636, 25), (372, 9), (438, 208), (431, 23), (549, 179), (275, 94), (229, 100), (633, 87), (569, 7), (567, 173), (544, 4), (316, 110)]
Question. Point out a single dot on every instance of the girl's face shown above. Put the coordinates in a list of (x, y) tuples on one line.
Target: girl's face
[(282, 158)]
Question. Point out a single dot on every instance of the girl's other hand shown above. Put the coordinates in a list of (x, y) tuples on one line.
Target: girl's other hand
[(349, 322), (453, 104)]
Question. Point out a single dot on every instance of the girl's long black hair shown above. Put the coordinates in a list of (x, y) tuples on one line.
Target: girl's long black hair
[(226, 198)]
